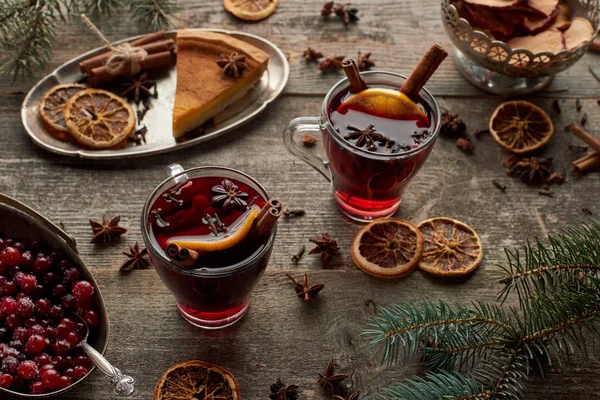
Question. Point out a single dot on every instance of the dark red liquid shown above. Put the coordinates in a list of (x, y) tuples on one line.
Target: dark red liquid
[(215, 295), (365, 183)]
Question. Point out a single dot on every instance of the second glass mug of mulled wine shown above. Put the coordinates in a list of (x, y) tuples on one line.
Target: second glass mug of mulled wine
[(209, 241), (373, 148)]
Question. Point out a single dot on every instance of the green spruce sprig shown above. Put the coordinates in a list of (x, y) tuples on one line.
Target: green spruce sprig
[(487, 351)]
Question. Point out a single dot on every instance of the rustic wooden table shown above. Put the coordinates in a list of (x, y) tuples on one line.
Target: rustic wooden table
[(281, 336)]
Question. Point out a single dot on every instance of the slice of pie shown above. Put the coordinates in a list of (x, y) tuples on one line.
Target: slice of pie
[(207, 82)]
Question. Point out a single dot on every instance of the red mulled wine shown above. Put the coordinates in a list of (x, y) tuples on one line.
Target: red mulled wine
[(381, 143), (212, 216)]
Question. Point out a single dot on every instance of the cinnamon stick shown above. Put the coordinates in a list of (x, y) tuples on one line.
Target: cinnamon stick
[(356, 82), (265, 224), (595, 45), (585, 137), (180, 256), (423, 70), (100, 75), (100, 59)]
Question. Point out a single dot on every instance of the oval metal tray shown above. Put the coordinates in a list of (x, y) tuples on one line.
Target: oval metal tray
[(159, 138)]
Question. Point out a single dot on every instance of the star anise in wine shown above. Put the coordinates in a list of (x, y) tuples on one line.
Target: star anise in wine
[(233, 64), (139, 88), (136, 258), (304, 289), (329, 379), (106, 231), (364, 61), (311, 54), (353, 396), (452, 125), (331, 63), (533, 170), (366, 136), (326, 246), (281, 391), (228, 194)]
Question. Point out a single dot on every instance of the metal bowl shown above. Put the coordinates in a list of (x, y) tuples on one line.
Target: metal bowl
[(20, 221), (493, 66)]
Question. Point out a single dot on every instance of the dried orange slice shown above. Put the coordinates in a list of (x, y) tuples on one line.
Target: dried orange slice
[(251, 10), (386, 103), (197, 380), (52, 108), (235, 234), (387, 248), (99, 119), (520, 126), (451, 248)]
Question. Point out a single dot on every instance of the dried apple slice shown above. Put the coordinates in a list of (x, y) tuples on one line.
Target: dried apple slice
[(580, 32), (534, 23), (493, 20), (495, 3), (545, 7), (551, 40), (563, 19)]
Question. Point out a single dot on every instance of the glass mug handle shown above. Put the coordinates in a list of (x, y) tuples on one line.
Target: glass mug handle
[(300, 126)]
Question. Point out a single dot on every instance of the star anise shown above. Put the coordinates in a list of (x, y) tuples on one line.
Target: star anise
[(345, 13), (139, 88), (331, 63), (327, 9), (305, 290), (364, 61), (233, 64), (353, 396), (106, 231), (281, 391), (465, 145), (452, 125), (366, 136), (227, 194), (533, 170), (311, 54), (136, 259), (329, 379), (325, 245)]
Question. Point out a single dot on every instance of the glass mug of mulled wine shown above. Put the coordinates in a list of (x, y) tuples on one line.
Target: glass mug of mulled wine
[(373, 147), (209, 240)]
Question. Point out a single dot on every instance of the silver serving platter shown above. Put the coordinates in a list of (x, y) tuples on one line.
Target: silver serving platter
[(159, 138)]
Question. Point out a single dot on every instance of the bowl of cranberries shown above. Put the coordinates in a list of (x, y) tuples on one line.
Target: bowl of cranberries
[(44, 286)]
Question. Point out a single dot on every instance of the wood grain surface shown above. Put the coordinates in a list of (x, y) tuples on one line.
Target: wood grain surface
[(281, 336)]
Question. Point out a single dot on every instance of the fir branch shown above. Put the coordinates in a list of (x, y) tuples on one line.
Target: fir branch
[(504, 375), (101, 7), (436, 386), (153, 13)]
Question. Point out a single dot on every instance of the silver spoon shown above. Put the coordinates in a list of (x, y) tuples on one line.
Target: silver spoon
[(123, 385)]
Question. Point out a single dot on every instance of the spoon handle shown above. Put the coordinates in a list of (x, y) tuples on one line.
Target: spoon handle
[(123, 385)]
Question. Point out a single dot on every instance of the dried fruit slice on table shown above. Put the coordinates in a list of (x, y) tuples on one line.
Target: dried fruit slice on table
[(520, 126), (386, 103), (580, 32), (99, 119), (197, 380), (251, 10), (52, 108), (387, 248), (451, 248)]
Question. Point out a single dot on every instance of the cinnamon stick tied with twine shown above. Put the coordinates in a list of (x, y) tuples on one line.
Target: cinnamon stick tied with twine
[(267, 217), (591, 160), (426, 66), (356, 82), (182, 257)]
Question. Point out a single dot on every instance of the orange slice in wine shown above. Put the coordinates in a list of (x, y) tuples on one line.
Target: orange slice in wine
[(452, 248), (99, 119), (385, 103), (388, 248), (52, 108), (251, 10), (224, 240), (193, 380)]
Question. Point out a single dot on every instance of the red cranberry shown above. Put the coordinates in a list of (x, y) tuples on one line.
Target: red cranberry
[(25, 307), (49, 332), (10, 288), (72, 275), (30, 322), (9, 351), (43, 306), (50, 278), (64, 264), (59, 290), (70, 324), (39, 291), (73, 338), (58, 362), (19, 246), (91, 318), (28, 283), (68, 301), (27, 370), (26, 259), (69, 362), (68, 372), (42, 360), (57, 312), (3, 336), (12, 321), (10, 364), (83, 291), (8, 306), (84, 361), (36, 344), (36, 329), (50, 378), (62, 330), (16, 344), (6, 381), (34, 245), (64, 382), (37, 388), (79, 372), (10, 256), (20, 334), (42, 265), (61, 347)]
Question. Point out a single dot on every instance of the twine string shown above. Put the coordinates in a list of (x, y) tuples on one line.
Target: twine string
[(125, 53)]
